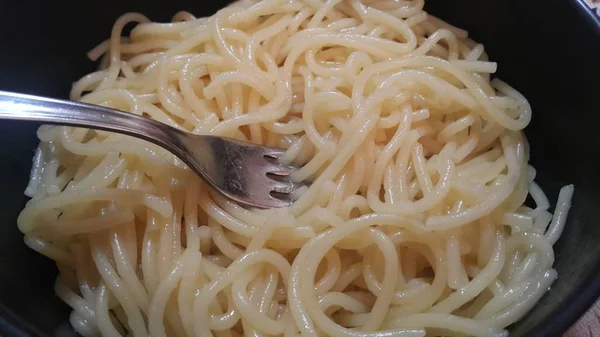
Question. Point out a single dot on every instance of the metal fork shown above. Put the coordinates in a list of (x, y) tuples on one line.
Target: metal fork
[(246, 173)]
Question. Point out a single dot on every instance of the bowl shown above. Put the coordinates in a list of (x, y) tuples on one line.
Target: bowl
[(544, 48)]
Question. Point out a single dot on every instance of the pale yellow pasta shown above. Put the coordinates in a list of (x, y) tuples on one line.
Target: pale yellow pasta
[(414, 223)]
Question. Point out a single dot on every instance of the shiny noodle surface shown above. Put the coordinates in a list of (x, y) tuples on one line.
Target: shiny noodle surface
[(414, 225)]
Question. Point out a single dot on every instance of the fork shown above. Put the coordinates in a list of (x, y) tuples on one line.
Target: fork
[(243, 172)]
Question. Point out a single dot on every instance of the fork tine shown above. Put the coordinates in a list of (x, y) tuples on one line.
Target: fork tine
[(246, 173), (284, 187), (280, 170), (273, 152), (280, 199)]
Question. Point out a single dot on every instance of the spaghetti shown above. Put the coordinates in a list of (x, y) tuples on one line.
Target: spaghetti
[(414, 224)]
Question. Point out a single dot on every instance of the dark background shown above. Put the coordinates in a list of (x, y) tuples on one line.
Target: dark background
[(544, 48)]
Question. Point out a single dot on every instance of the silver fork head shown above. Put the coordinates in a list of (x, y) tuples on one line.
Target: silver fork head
[(239, 170), (246, 173)]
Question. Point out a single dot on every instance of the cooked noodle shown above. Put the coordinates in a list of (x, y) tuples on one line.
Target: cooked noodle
[(414, 223)]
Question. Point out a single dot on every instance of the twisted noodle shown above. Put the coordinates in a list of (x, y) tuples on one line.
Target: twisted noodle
[(414, 223)]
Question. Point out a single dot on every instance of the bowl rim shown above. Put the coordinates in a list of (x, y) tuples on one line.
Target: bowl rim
[(589, 14), (12, 325), (576, 304)]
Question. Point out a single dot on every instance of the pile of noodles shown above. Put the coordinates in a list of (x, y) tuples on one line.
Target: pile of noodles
[(415, 221)]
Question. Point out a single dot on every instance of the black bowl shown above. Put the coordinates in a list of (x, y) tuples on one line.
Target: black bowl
[(545, 48)]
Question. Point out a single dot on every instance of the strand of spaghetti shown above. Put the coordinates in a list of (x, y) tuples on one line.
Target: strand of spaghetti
[(449, 322), (248, 311), (560, 214), (115, 44), (316, 248), (478, 284), (161, 296), (105, 325), (115, 284), (202, 298), (126, 269)]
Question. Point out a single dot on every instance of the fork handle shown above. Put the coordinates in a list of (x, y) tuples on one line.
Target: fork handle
[(54, 111)]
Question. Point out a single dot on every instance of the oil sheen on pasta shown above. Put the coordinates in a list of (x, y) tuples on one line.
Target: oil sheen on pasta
[(414, 224)]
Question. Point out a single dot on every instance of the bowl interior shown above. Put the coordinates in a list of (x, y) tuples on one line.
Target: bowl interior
[(543, 48)]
